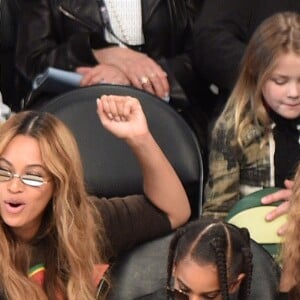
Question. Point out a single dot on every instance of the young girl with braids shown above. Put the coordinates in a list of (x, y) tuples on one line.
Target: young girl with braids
[(290, 278), (255, 142), (210, 259)]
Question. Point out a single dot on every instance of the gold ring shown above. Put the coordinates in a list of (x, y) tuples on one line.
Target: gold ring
[(144, 80)]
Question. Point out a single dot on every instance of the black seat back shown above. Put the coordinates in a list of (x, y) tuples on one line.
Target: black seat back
[(110, 166)]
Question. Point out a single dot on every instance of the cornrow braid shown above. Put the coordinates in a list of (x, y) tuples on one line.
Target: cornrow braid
[(245, 287), (219, 244), (172, 250), (215, 242)]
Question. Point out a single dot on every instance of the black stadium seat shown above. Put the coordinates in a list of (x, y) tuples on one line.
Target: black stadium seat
[(111, 169)]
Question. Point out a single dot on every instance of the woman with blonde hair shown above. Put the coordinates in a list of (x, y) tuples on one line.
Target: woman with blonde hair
[(55, 240), (260, 124)]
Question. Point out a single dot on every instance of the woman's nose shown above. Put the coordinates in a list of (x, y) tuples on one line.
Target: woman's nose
[(15, 185)]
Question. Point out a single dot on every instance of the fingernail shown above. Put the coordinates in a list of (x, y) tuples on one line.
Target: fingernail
[(166, 97), (98, 101), (263, 200), (110, 116)]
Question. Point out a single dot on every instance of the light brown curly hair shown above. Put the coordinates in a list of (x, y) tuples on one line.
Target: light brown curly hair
[(70, 226)]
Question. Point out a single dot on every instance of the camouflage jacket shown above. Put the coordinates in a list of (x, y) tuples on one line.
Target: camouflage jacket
[(234, 171)]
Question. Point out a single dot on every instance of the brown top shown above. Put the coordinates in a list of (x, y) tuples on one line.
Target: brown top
[(128, 221), (131, 220)]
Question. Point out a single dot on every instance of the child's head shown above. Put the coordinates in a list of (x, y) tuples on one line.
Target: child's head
[(210, 259), (270, 72)]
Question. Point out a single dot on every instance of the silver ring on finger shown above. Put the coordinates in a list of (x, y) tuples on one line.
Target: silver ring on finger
[(144, 80)]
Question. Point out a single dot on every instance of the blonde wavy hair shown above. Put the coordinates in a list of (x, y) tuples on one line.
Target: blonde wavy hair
[(290, 254), (68, 232), (277, 35)]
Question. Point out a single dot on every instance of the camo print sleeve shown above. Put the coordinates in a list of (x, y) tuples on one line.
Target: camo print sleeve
[(235, 172), (222, 188)]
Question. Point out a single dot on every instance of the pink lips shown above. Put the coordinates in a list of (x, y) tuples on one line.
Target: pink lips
[(14, 207), (293, 104)]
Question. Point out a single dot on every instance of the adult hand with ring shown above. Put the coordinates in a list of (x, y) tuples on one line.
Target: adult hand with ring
[(136, 66)]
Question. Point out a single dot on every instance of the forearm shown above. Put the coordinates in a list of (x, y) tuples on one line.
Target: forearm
[(124, 117), (46, 54), (161, 183), (40, 45)]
